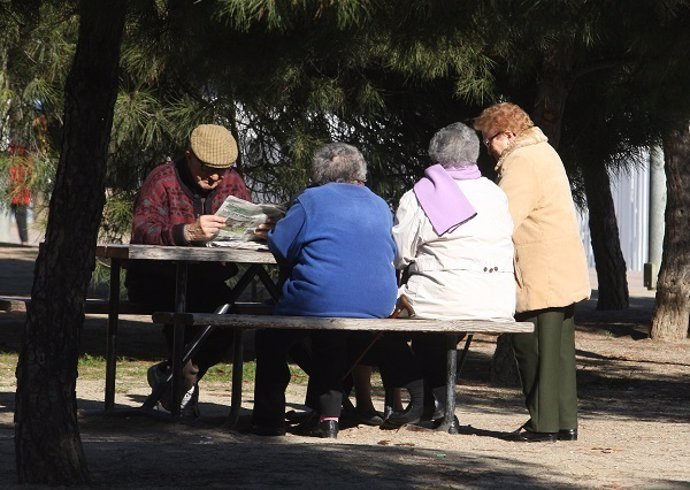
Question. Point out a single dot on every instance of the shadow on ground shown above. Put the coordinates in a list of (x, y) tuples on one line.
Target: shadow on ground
[(217, 457)]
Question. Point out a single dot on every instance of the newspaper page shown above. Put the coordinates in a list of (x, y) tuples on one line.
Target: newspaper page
[(241, 218)]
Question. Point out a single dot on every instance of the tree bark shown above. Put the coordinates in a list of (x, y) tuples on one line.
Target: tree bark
[(504, 369), (603, 227), (552, 93), (47, 442), (671, 320)]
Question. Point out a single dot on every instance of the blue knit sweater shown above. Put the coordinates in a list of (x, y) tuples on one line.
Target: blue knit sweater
[(336, 238)]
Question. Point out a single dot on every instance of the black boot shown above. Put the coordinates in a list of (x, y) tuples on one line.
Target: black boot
[(414, 410), (434, 416), (314, 427), (440, 402)]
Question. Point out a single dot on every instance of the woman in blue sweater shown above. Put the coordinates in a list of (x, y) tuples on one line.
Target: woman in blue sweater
[(336, 242)]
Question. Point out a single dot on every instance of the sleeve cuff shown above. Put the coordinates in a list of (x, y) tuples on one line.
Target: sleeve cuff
[(178, 235)]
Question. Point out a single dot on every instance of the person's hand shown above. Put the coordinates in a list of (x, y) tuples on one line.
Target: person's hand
[(204, 229), (261, 231)]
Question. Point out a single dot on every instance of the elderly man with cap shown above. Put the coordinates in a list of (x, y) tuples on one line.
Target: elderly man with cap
[(176, 206)]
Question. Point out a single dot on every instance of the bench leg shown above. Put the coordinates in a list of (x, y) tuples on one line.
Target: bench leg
[(451, 378), (237, 377), (175, 377), (178, 337), (111, 336), (463, 355)]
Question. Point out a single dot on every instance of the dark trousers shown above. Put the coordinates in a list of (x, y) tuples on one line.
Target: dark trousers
[(202, 298), (431, 350), (20, 215), (210, 353), (397, 364), (332, 355), (326, 370), (546, 360)]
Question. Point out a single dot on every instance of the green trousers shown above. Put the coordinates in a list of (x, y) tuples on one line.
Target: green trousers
[(546, 360)]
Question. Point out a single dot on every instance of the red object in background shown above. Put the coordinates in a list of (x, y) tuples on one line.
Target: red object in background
[(20, 174)]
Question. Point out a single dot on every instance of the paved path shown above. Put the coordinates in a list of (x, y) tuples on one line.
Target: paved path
[(16, 268)]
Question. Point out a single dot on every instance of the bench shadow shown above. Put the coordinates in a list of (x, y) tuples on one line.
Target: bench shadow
[(606, 387), (633, 321), (215, 454)]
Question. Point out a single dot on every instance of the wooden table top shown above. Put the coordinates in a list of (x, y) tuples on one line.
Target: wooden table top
[(188, 254)]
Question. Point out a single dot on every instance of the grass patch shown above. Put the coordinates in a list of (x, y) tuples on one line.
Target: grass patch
[(223, 371), (8, 364), (92, 368), (8, 359)]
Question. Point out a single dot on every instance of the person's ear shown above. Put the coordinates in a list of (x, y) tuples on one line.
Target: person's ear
[(188, 156)]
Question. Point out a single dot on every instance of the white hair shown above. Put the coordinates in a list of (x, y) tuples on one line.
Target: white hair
[(456, 145), (338, 162)]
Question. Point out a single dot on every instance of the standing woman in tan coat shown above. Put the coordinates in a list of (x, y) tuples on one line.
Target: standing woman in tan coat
[(550, 268)]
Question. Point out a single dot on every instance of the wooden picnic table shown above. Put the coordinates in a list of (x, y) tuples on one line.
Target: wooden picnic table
[(120, 254), (258, 261)]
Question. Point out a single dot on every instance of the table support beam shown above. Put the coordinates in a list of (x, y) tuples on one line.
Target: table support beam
[(111, 335), (178, 337)]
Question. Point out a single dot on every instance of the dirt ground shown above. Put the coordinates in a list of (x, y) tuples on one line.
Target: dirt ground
[(634, 421)]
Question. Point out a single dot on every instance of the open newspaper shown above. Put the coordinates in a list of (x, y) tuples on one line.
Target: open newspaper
[(241, 219)]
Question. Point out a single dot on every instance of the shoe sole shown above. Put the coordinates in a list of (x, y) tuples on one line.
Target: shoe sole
[(568, 437), (536, 439), (372, 420)]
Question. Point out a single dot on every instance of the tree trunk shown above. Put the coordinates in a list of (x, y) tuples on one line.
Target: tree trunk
[(671, 320), (552, 94), (603, 227), (48, 446), (504, 370)]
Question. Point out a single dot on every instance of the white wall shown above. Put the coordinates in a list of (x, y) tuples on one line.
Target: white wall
[(8, 229), (631, 201)]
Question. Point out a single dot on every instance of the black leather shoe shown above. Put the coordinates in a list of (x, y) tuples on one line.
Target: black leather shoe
[(369, 418), (328, 429), (529, 436), (411, 415), (306, 425), (414, 411), (293, 418), (567, 435)]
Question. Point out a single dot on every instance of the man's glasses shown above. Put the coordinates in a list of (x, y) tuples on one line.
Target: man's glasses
[(205, 170)]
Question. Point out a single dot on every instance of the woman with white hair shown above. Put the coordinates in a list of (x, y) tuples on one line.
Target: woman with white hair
[(336, 242), (453, 235)]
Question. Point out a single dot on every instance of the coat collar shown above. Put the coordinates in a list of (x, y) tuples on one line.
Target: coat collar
[(531, 136)]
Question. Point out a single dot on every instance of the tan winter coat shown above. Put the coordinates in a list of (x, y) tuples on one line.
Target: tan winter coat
[(550, 264)]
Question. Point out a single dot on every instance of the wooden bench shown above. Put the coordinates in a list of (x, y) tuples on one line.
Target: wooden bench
[(241, 322), (92, 306), (100, 306)]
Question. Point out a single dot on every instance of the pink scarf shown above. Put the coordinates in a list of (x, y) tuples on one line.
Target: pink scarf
[(442, 200)]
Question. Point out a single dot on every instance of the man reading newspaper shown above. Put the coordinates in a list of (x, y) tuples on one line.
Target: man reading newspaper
[(242, 220), (176, 206)]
